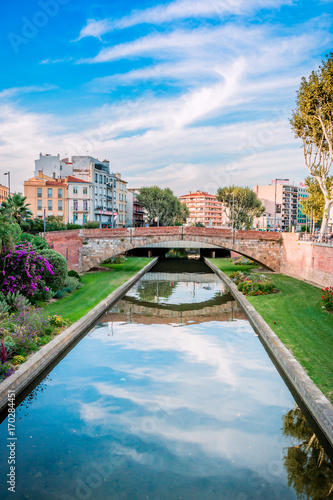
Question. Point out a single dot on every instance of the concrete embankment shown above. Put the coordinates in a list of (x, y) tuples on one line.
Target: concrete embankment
[(319, 407)]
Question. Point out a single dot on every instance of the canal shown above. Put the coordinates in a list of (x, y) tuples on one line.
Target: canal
[(170, 396)]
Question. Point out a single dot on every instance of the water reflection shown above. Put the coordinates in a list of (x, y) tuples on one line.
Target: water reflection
[(309, 468), (162, 400)]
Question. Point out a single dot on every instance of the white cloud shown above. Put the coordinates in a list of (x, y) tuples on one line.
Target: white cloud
[(180, 9), (14, 91)]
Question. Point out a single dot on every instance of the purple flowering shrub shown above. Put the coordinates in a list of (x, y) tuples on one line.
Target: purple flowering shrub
[(23, 270)]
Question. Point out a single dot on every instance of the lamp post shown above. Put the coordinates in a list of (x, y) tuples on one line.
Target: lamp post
[(8, 173)]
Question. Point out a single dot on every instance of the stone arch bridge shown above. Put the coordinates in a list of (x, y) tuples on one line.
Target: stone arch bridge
[(86, 248)]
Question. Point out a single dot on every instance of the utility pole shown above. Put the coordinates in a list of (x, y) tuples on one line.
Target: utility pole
[(233, 218), (44, 221), (8, 173)]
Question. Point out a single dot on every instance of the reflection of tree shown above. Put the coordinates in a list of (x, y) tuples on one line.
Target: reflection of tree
[(149, 290), (310, 470)]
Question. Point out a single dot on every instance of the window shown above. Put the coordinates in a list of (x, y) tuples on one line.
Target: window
[(75, 190), (100, 179), (49, 205), (39, 192), (60, 205), (76, 205), (96, 177), (96, 191), (104, 179), (85, 205), (39, 204), (85, 190), (49, 192), (59, 193)]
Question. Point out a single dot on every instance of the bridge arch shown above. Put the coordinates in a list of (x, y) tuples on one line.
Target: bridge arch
[(86, 248)]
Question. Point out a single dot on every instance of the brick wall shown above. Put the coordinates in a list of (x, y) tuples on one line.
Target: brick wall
[(307, 261)]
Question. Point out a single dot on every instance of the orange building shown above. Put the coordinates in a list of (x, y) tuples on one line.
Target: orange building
[(3, 193), (44, 193), (70, 198), (205, 208)]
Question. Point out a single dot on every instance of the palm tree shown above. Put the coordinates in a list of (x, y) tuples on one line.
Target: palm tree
[(16, 208)]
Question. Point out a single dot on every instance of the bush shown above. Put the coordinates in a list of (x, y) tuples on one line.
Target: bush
[(57, 320), (5, 370), (253, 284), (16, 301), (24, 271), (74, 274), (37, 242), (91, 225), (73, 226), (56, 281), (60, 294), (4, 307), (9, 345), (71, 284), (327, 298)]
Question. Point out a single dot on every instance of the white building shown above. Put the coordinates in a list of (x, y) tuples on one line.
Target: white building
[(80, 206)]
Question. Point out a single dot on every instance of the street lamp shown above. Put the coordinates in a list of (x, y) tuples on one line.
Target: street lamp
[(8, 173)]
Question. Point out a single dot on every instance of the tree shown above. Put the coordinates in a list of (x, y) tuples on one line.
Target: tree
[(316, 199), (162, 205), (6, 236), (243, 205), (312, 121), (15, 207)]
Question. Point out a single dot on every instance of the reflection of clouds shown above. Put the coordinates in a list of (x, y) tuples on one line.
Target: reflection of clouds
[(210, 388)]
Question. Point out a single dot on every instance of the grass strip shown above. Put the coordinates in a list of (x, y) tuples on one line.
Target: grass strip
[(298, 319), (96, 287)]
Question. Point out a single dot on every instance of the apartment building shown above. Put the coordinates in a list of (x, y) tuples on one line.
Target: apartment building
[(206, 209), (135, 212), (68, 198), (282, 205), (121, 196), (3, 193), (109, 192)]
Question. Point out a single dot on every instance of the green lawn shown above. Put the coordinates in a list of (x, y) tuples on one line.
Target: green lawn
[(96, 287), (301, 323)]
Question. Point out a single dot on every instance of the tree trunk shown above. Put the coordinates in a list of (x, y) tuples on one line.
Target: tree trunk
[(326, 215)]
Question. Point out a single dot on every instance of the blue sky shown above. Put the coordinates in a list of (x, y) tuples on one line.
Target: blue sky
[(189, 94)]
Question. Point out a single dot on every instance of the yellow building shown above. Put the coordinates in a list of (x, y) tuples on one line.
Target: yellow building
[(3, 193), (121, 204), (46, 194)]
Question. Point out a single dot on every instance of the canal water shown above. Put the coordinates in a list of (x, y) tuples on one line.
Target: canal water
[(170, 396)]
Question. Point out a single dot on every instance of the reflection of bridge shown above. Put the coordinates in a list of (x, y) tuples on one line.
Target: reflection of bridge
[(87, 248), (132, 312), (182, 277)]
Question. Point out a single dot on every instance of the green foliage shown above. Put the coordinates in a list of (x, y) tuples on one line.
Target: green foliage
[(72, 284), (15, 207), (6, 236), (327, 298), (72, 226), (60, 294), (91, 225), (253, 284), (15, 301), (312, 122), (316, 199), (4, 307), (243, 205), (74, 274), (60, 269), (161, 204)]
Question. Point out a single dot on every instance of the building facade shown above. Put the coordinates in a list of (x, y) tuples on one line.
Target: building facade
[(135, 212), (68, 198), (3, 193), (282, 205), (205, 209), (107, 190)]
